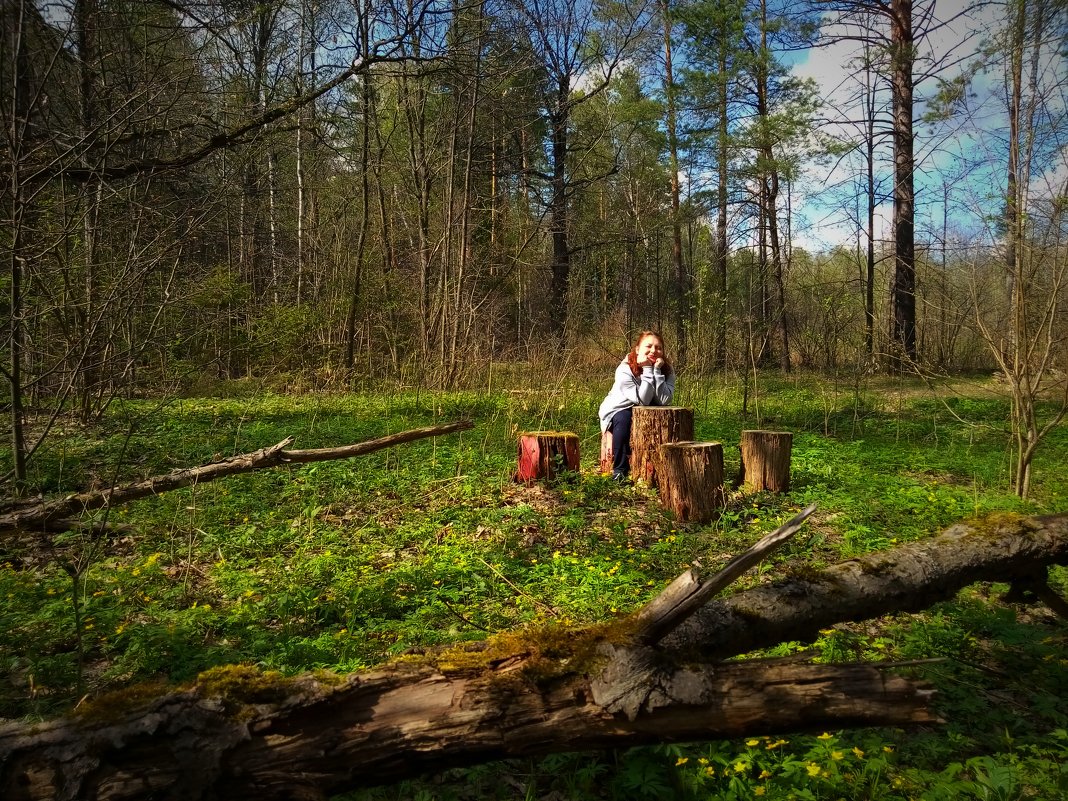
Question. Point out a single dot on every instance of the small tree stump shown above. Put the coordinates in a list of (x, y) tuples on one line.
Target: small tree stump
[(766, 460), (691, 480), (652, 427), (606, 452), (545, 454)]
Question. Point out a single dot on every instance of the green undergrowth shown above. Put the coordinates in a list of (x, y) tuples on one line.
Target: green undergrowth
[(342, 565)]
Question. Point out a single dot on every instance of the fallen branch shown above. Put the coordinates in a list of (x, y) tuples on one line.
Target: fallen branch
[(686, 594), (42, 514)]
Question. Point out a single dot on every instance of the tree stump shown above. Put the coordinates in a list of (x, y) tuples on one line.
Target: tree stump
[(691, 480), (546, 454), (652, 427), (606, 452), (766, 460)]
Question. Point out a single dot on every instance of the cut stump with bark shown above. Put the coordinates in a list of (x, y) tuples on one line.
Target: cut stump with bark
[(766, 460), (691, 480), (653, 426), (546, 454), (607, 454)]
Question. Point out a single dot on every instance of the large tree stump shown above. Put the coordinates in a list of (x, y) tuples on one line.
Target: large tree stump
[(606, 452), (546, 454), (766, 460), (652, 427), (691, 480)]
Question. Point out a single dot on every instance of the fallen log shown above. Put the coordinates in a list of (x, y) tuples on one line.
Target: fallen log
[(44, 515), (652, 678), (244, 735), (1003, 548)]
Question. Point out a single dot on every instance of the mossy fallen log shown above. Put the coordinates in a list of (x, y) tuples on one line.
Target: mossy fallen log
[(653, 677)]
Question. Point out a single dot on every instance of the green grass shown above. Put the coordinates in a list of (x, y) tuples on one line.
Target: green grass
[(341, 565)]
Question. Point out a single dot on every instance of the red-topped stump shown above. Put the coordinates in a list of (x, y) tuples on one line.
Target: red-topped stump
[(546, 454)]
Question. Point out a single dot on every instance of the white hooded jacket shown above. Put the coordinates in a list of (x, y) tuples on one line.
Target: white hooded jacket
[(651, 388)]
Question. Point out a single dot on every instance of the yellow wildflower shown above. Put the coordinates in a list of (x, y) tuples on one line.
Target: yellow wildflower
[(751, 743), (682, 761), (825, 736), (740, 766), (858, 752), (836, 755), (759, 790), (813, 769)]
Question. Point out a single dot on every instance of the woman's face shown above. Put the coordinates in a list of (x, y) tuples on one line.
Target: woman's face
[(649, 349)]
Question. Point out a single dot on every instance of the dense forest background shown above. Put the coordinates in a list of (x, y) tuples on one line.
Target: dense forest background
[(323, 193)]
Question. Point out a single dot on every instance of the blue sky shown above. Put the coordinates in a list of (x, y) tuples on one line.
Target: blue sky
[(962, 157)]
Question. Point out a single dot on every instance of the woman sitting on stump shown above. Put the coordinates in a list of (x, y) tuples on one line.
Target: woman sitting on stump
[(644, 378)]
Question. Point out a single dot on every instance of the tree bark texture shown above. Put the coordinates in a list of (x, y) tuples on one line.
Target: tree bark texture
[(311, 737), (691, 480), (909, 578), (606, 453), (546, 454), (42, 514), (903, 294), (241, 734), (652, 426), (766, 460)]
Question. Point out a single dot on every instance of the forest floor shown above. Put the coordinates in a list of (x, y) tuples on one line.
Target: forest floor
[(342, 565)]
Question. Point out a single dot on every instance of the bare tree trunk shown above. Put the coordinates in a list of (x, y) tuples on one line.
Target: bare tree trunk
[(461, 332), (869, 164), (558, 212), (17, 132), (681, 275), (722, 164), (903, 295), (356, 286), (782, 327)]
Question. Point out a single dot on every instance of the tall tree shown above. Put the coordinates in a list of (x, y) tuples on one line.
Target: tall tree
[(904, 31), (578, 46), (715, 33), (683, 283), (903, 292)]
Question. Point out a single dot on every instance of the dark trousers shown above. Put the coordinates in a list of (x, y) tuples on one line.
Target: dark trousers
[(620, 428)]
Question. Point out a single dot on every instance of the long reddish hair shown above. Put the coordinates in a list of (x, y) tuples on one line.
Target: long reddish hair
[(632, 357)]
